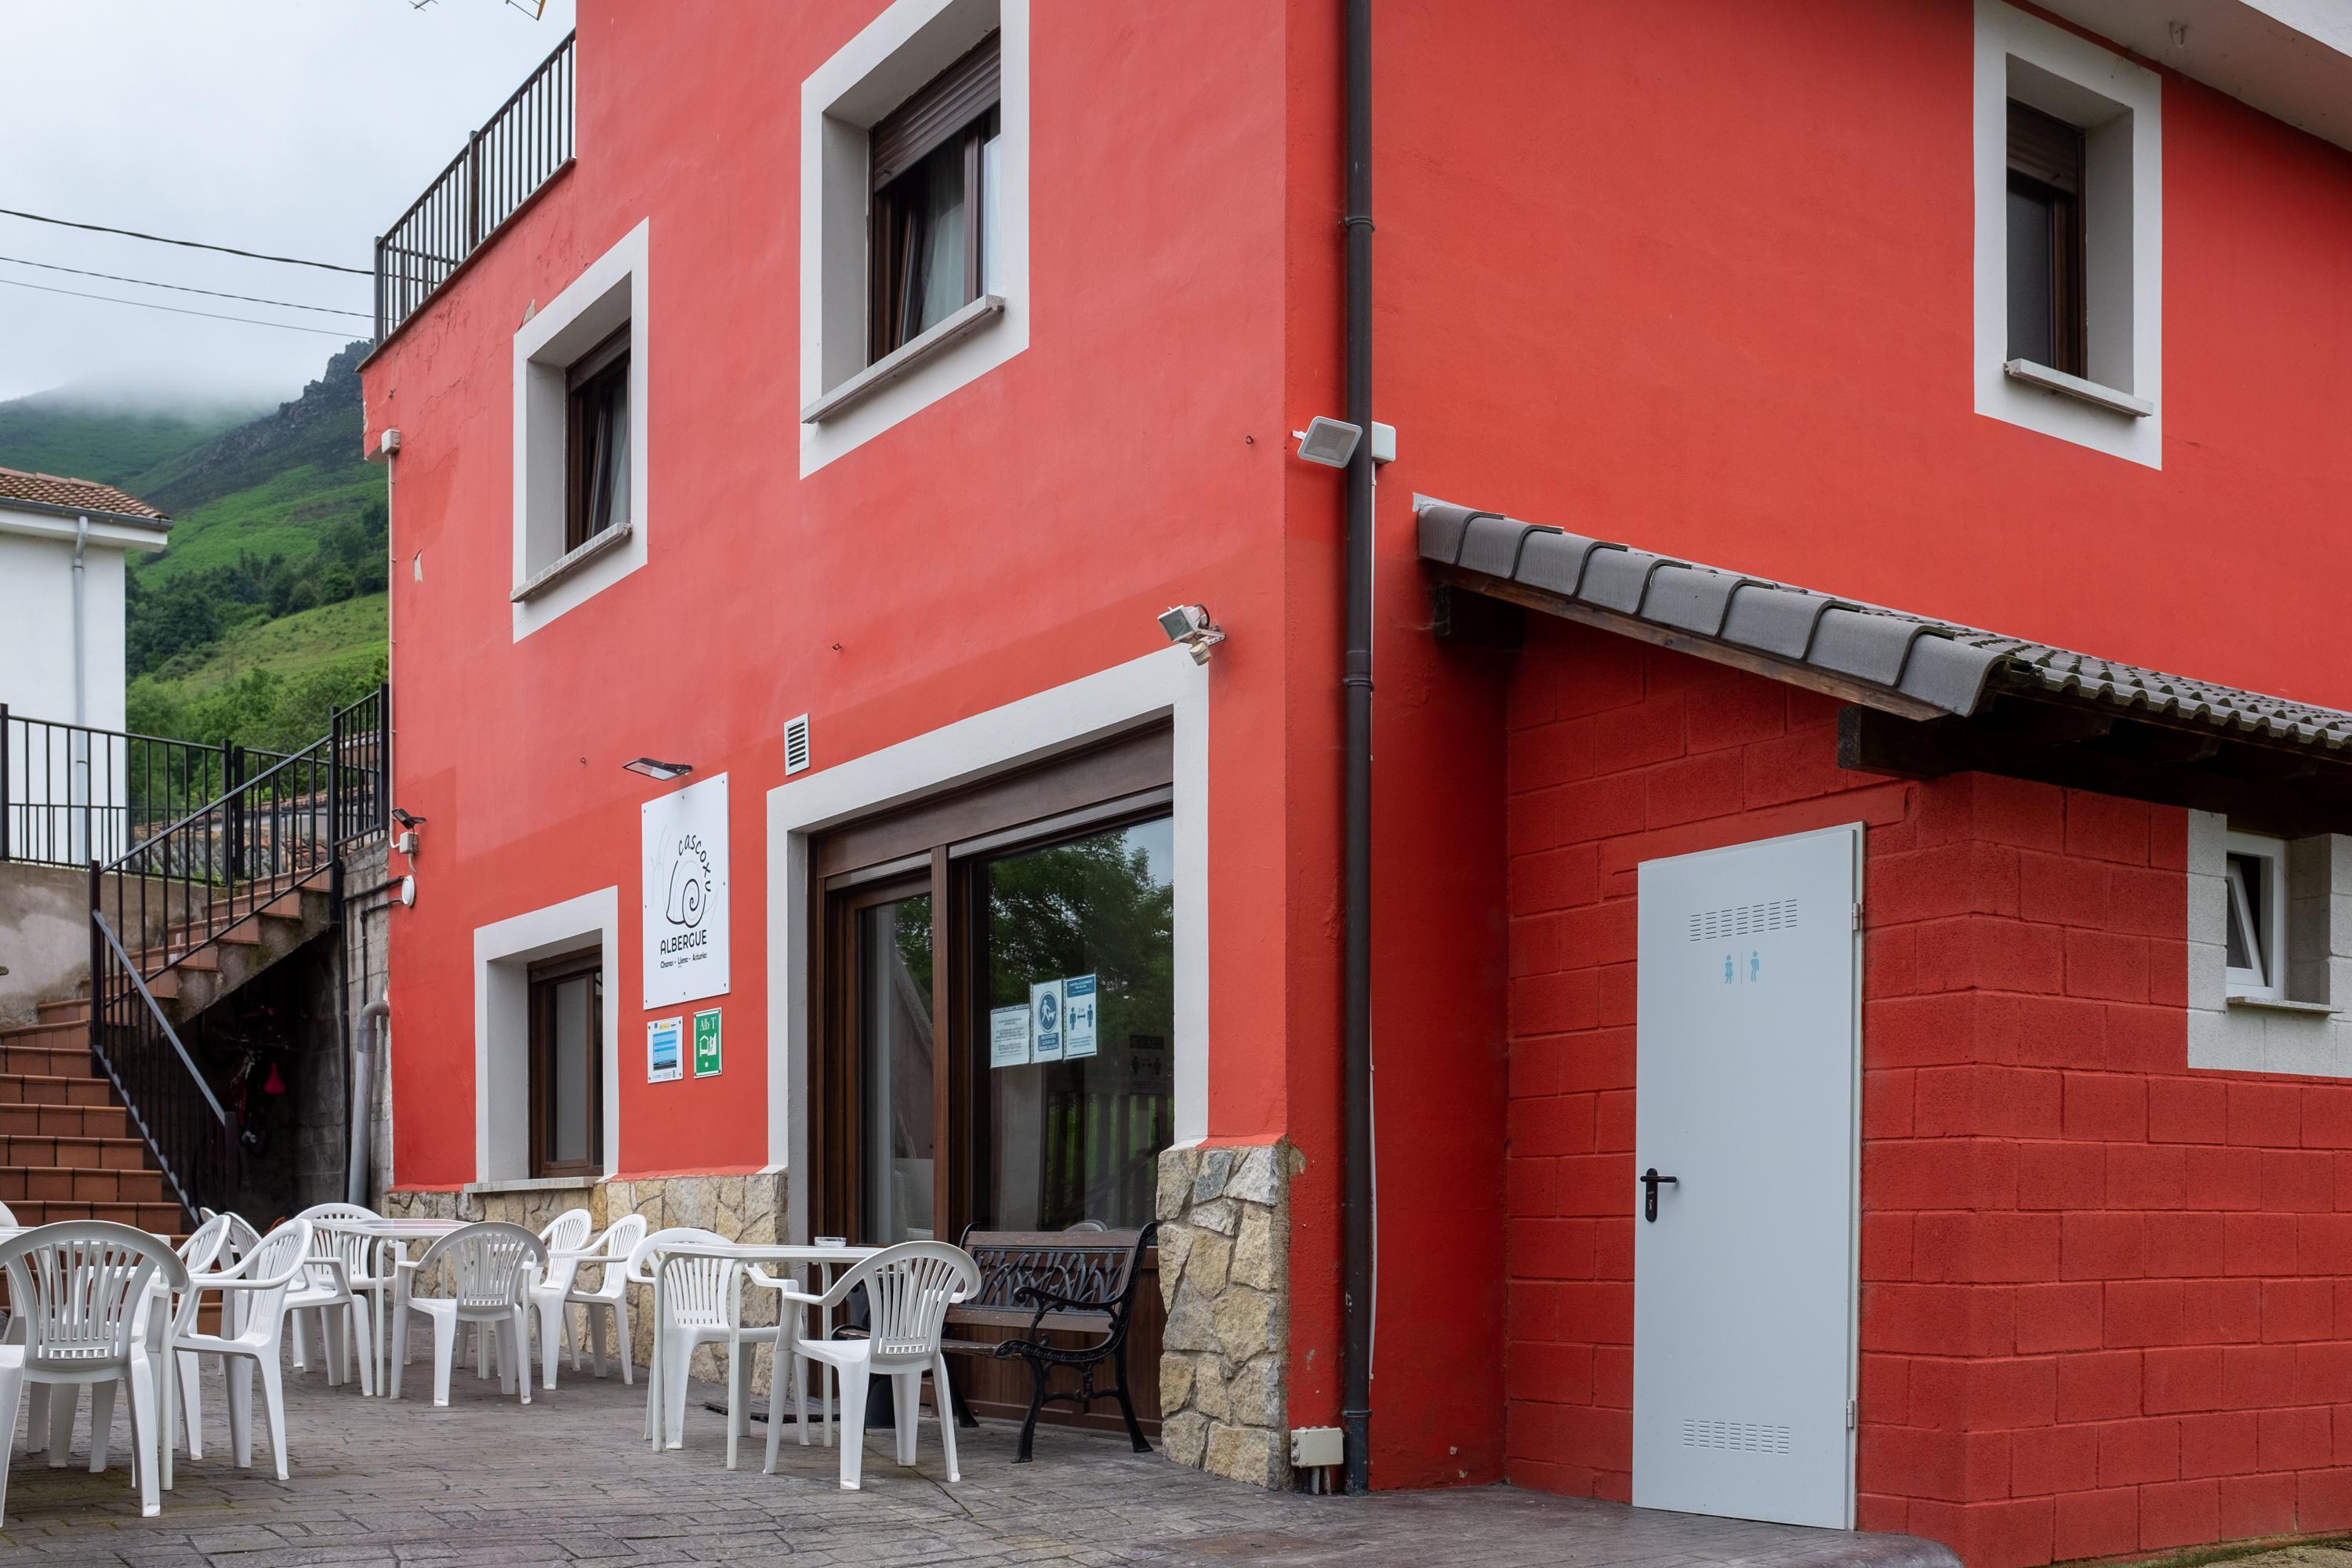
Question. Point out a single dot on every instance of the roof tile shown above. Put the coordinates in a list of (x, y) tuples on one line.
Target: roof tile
[(83, 495)]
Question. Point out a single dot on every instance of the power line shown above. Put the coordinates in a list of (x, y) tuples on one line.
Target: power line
[(190, 244), (175, 309), (182, 288)]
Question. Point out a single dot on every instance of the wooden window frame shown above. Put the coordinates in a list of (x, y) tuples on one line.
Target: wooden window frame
[(542, 979), (2046, 160), (587, 433), (931, 847), (957, 105)]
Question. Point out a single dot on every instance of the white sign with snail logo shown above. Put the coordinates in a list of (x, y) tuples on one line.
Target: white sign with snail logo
[(686, 916)]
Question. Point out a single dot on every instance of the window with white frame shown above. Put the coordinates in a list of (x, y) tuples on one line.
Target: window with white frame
[(2255, 935), (2068, 236), (580, 380), (914, 215)]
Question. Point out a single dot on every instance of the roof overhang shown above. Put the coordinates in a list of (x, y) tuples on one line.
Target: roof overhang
[(119, 530), (1927, 697), (2290, 59)]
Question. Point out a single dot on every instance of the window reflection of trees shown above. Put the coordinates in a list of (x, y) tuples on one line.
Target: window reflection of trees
[(1098, 906)]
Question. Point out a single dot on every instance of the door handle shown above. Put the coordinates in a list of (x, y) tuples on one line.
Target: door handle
[(1650, 1181)]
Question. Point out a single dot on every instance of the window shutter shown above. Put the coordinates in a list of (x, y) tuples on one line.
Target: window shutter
[(2045, 147), (941, 108)]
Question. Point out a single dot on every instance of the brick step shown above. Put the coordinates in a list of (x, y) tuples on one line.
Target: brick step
[(74, 1010), (49, 1034), (51, 1088), (69, 1184), (49, 1061), (36, 1120), (154, 960), (72, 1152), (162, 1217)]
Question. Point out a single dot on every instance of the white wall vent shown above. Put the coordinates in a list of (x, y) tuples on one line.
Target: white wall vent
[(796, 755), (1745, 919)]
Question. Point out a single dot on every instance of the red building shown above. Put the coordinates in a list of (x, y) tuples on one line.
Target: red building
[(838, 415)]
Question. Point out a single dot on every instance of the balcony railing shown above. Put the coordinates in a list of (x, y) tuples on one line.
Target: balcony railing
[(516, 151)]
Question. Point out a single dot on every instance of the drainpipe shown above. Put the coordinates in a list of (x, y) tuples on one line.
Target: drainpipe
[(81, 699), (372, 1024), (78, 752), (1356, 1394)]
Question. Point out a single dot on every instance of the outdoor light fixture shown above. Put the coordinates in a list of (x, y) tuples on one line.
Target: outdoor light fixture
[(1189, 626), (663, 772), (405, 818), (1332, 442)]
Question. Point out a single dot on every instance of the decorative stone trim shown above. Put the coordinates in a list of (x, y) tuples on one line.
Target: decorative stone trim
[(739, 1207), (1225, 1277)]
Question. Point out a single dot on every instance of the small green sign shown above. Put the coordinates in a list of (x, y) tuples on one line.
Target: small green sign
[(706, 1043)]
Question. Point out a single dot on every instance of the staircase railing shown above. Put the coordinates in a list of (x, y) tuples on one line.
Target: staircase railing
[(171, 1105), (71, 793), (274, 830)]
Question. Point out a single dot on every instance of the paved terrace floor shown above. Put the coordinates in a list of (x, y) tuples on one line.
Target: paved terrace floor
[(565, 1481)]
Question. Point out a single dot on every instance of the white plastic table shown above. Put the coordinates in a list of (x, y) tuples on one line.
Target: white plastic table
[(395, 1228), (825, 1259)]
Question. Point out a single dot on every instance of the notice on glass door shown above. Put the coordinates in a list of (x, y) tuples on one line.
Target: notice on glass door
[(1008, 1037), (1045, 1021), (1077, 1016)]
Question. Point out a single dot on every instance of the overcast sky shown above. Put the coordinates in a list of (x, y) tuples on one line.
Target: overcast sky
[(301, 129)]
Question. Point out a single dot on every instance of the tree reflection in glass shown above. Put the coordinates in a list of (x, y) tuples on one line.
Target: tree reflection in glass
[(1059, 1142)]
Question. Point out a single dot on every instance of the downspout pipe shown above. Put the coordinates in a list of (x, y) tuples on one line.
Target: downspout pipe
[(1356, 1394), (372, 1025), (77, 787), (80, 655)]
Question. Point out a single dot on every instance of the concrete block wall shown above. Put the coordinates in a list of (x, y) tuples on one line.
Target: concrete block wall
[(2106, 1301)]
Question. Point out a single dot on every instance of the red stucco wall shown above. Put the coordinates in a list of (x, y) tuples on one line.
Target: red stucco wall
[(2106, 1301)]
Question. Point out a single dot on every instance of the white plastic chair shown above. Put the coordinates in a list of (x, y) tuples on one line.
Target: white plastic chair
[(908, 1289), (608, 1256), (81, 1291), (7, 1217), (264, 1278), (339, 1286), (237, 1241), (489, 1264), (701, 1303), (566, 1240)]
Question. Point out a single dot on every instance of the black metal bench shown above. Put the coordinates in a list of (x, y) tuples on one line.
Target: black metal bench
[(1037, 1282)]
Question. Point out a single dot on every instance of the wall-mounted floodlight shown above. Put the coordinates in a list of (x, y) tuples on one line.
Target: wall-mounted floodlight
[(406, 819), (1331, 442), (1189, 626), (658, 770)]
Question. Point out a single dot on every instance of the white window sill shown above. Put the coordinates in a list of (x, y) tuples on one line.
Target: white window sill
[(534, 1184), (899, 361), (2281, 1004), (565, 565), (2075, 386)]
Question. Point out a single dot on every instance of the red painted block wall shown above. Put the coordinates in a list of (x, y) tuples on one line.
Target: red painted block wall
[(2106, 1301)]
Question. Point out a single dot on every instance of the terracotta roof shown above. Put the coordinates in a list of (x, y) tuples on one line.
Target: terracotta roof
[(1916, 661), (73, 495)]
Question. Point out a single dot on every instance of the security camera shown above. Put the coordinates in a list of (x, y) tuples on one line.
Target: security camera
[(1189, 626)]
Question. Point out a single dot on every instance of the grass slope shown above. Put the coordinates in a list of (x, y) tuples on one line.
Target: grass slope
[(331, 637)]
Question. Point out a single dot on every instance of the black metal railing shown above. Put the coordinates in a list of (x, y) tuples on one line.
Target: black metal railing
[(278, 830), (71, 793), (171, 1106), (516, 151)]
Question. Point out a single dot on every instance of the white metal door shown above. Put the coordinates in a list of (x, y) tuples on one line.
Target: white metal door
[(1748, 1097)]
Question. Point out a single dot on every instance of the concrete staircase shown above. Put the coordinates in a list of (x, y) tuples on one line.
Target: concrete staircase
[(68, 1149)]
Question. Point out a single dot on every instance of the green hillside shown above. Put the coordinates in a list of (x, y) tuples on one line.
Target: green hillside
[(268, 604), (77, 431)]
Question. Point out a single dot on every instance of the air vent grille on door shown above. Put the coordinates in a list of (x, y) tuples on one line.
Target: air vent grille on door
[(1743, 1436), (1747, 919), (796, 755)]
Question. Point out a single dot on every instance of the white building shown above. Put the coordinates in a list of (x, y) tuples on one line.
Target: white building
[(63, 549)]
